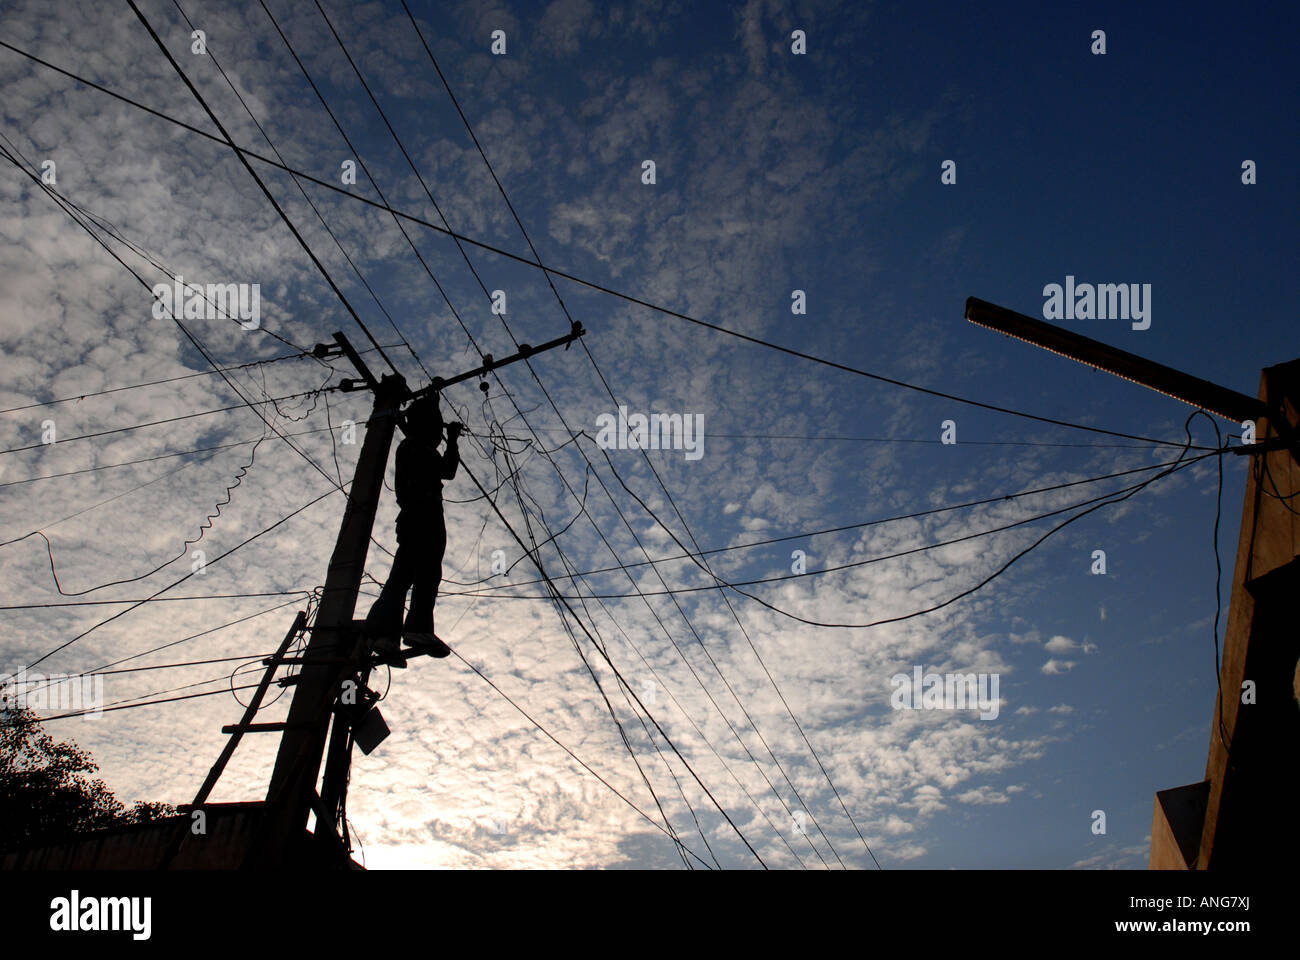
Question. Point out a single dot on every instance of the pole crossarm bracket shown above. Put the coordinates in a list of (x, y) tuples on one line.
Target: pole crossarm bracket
[(525, 351), (1235, 406)]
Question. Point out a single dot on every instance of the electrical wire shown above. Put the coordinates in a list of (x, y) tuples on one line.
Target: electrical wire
[(265, 190), (593, 285), (617, 673), (207, 596), (645, 816), (338, 243), (127, 706), (325, 104), (165, 456), (214, 560), (1126, 491), (831, 569), (156, 423), (204, 527), (97, 505), (154, 383), (62, 203), (806, 534)]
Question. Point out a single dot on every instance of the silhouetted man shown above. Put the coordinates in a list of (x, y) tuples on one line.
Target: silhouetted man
[(421, 534)]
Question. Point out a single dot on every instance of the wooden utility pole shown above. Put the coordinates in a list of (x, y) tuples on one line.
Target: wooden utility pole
[(337, 659), (1242, 812), (293, 780)]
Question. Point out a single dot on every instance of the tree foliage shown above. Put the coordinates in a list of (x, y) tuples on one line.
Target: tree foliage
[(49, 791)]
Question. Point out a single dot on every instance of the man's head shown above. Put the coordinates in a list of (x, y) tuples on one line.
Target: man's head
[(424, 418)]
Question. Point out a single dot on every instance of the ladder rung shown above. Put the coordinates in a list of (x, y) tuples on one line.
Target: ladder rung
[(264, 727)]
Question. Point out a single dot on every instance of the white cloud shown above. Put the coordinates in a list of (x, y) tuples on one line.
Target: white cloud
[(983, 796), (1060, 644)]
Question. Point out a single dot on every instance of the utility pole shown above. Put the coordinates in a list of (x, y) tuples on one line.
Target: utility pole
[(1241, 813), (337, 659), (292, 790)]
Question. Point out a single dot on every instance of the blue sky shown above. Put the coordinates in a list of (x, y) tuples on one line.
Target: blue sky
[(774, 172)]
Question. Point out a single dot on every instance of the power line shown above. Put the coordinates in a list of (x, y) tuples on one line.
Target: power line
[(993, 576), (990, 443), (163, 456), (668, 688), (846, 439), (601, 288), (155, 423), (125, 706), (375, 184), (788, 351), (560, 473), (844, 566), (228, 138), (107, 226), (338, 243), (203, 528), (654, 823), (207, 596), (519, 494), (172, 666), (1218, 579), (627, 744), (65, 205), (214, 560), (1126, 493), (203, 633), (713, 701), (481, 284), (265, 190), (617, 673), (96, 506), (154, 383), (487, 163), (68, 208), (564, 309), (404, 152), (156, 39), (808, 534), (102, 668)]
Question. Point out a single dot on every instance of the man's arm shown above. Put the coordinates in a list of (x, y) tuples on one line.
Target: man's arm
[(451, 456)]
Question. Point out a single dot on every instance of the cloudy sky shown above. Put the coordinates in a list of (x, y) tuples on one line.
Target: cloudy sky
[(774, 172)]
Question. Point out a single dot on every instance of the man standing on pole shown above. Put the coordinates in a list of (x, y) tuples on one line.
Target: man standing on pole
[(421, 534)]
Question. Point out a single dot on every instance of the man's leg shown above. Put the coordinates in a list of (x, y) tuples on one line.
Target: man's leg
[(424, 593), (385, 617)]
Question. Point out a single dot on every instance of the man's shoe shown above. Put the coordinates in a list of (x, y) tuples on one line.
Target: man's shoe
[(427, 642), (385, 647)]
